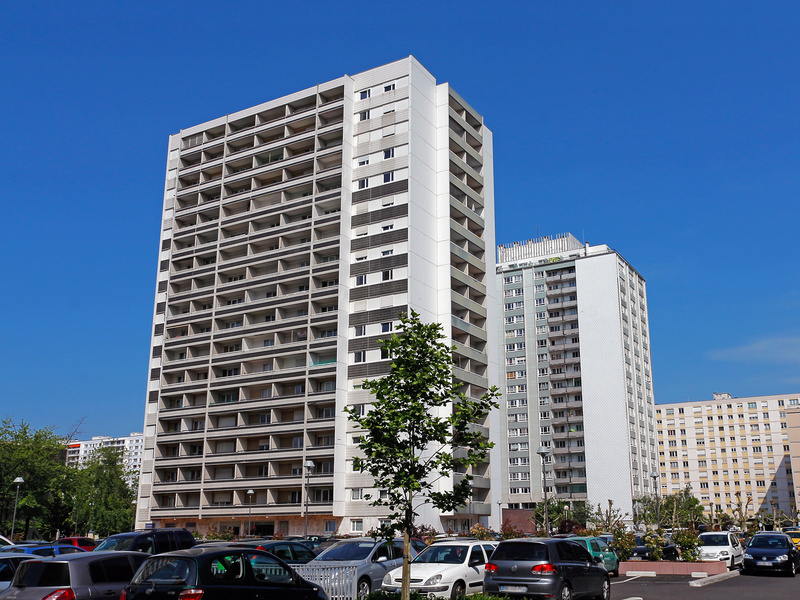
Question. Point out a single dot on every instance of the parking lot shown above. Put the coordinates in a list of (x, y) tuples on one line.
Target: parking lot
[(751, 587)]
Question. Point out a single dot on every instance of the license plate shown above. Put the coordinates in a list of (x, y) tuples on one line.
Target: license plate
[(513, 588), (764, 563)]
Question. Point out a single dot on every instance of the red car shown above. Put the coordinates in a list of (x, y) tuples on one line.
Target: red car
[(87, 544)]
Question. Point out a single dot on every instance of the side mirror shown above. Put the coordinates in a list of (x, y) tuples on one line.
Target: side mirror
[(598, 559), (475, 562), (381, 559)]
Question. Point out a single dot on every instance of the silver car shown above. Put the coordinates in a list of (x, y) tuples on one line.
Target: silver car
[(372, 559), (8, 566), (84, 574)]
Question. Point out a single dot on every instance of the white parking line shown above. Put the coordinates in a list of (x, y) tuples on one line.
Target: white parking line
[(625, 581)]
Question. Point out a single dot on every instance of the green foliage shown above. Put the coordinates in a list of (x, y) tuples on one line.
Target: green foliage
[(624, 542), (688, 542), (104, 500), (36, 455), (215, 534), (417, 420)]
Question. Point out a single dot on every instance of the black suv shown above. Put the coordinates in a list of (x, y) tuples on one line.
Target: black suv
[(153, 541)]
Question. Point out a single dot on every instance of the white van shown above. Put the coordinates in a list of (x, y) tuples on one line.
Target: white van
[(721, 545)]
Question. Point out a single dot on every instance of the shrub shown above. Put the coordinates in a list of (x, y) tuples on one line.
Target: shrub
[(479, 532), (655, 540), (509, 531), (688, 542), (624, 543)]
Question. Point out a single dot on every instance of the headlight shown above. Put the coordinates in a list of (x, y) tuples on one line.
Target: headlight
[(433, 580), (723, 553), (747, 555), (782, 558), (387, 579)]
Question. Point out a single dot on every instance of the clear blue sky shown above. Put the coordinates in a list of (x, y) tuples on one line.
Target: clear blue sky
[(668, 130)]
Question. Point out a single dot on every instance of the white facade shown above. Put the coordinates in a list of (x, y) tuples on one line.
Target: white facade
[(578, 374), (726, 445), (294, 233), (80, 452)]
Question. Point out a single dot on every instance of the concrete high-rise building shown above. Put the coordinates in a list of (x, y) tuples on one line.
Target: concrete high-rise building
[(728, 446), (80, 452), (293, 235), (578, 375)]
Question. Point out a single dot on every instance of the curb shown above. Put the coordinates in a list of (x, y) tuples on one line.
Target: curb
[(714, 579), (640, 573)]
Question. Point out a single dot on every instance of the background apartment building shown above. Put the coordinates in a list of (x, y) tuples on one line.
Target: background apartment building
[(80, 452), (293, 235), (728, 445), (578, 374)]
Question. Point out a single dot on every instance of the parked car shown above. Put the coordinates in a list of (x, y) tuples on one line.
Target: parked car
[(4, 541), (449, 569), (552, 567), (372, 559), (721, 545), (771, 551), (8, 566), (795, 535), (598, 547), (152, 541), (294, 553), (76, 576), (214, 573), (85, 543), (669, 550), (43, 550)]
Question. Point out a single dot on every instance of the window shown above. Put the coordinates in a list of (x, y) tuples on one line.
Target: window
[(387, 252), (363, 183), (356, 494), (363, 94), (386, 327), (387, 227), (386, 275), (364, 160), (363, 115), (388, 88), (357, 525), (360, 356), (388, 177), (361, 279), (361, 330), (388, 153)]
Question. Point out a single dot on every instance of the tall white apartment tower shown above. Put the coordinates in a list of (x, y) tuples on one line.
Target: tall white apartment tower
[(294, 234), (578, 374)]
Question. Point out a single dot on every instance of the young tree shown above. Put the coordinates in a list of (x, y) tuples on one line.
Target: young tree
[(417, 420), (105, 500)]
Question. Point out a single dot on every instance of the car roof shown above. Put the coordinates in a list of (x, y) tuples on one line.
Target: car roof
[(206, 550), (78, 556), (463, 542), (20, 555)]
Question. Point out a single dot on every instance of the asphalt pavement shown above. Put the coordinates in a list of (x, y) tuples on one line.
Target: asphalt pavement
[(673, 587)]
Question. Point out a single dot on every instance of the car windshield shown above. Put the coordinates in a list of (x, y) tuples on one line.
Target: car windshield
[(452, 555), (714, 540), (117, 543), (520, 551), (348, 551), (42, 574), (764, 541), (165, 569)]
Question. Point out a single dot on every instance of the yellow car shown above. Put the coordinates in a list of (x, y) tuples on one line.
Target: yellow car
[(795, 535)]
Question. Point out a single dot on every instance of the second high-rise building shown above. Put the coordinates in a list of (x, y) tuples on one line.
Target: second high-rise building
[(578, 376), (293, 235)]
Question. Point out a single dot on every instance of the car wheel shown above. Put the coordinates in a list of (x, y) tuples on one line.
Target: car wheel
[(459, 590), (605, 590), (565, 593), (732, 566), (364, 588), (792, 569), (615, 572)]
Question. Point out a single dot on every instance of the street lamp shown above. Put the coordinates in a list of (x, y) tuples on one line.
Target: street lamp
[(544, 452), (656, 491), (249, 510), (469, 504), (133, 506), (309, 466), (19, 481)]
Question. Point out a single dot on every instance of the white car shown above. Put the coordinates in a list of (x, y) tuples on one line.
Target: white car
[(721, 545), (448, 569)]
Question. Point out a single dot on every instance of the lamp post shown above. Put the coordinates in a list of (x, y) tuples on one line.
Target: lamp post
[(133, 506), (249, 510), (544, 452), (308, 465), (19, 481), (657, 493), (469, 503)]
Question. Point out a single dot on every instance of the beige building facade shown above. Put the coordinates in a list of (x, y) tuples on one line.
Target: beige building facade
[(727, 445)]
